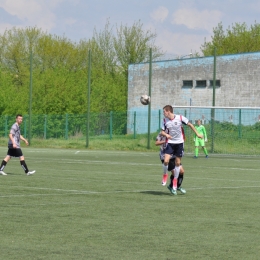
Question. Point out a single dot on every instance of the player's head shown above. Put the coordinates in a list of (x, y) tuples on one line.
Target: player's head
[(167, 110), (199, 122), (19, 119)]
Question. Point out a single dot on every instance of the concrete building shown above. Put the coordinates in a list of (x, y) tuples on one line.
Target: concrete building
[(189, 82)]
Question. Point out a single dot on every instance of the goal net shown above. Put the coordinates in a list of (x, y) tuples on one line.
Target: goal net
[(230, 130)]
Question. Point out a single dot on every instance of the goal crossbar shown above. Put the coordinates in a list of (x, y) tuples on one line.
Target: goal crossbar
[(210, 107)]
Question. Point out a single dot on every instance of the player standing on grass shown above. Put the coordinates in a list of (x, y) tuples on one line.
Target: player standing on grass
[(14, 149), (162, 141), (173, 131), (200, 141)]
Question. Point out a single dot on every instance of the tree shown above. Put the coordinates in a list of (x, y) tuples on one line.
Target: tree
[(132, 45), (238, 38), (59, 72), (15, 46), (60, 69), (103, 46), (116, 49), (126, 45)]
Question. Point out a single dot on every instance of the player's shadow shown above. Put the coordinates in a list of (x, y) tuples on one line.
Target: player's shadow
[(157, 193)]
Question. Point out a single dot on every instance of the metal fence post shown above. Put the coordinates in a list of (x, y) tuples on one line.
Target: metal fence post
[(66, 127), (149, 106), (159, 120), (135, 125), (6, 120), (45, 127), (213, 103), (111, 124), (24, 126), (240, 125), (88, 98), (30, 102)]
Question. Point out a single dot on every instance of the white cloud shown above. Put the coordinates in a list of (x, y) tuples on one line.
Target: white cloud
[(32, 12), (160, 14), (195, 19), (179, 44)]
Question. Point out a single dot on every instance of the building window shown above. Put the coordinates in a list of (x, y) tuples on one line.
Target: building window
[(187, 84), (217, 83), (201, 83)]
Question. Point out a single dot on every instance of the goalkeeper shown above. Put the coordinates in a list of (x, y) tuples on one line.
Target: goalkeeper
[(200, 141)]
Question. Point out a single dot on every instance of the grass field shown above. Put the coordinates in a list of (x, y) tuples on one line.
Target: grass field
[(83, 204)]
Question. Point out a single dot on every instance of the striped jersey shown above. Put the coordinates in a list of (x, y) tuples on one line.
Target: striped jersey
[(15, 132)]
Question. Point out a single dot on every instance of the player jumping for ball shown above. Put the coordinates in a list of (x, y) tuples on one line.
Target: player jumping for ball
[(173, 131), (162, 141)]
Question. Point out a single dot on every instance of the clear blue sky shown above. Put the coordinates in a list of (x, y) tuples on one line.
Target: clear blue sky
[(181, 25)]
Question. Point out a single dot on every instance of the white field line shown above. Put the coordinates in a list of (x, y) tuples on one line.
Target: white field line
[(87, 162), (78, 192), (231, 157), (146, 155)]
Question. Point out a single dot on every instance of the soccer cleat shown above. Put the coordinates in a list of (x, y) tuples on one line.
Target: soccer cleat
[(195, 157), (207, 156), (3, 173), (173, 191), (181, 190), (164, 179), (30, 173)]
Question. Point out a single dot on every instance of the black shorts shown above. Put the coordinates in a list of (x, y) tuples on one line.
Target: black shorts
[(14, 152), (175, 149), (171, 164)]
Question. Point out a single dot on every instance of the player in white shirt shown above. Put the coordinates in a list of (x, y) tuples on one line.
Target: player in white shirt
[(173, 131), (162, 141)]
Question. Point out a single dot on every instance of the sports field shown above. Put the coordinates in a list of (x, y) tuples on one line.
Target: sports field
[(83, 204)]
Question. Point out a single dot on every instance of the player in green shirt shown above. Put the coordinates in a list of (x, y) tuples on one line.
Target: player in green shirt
[(200, 141)]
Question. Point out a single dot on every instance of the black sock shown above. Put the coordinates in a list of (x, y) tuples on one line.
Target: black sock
[(180, 179), (24, 166), (171, 179), (3, 164)]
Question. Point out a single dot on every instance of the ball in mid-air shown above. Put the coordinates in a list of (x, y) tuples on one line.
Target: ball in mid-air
[(145, 99)]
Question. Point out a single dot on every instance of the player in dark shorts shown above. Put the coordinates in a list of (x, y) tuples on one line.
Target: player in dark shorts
[(14, 149), (172, 129), (162, 141)]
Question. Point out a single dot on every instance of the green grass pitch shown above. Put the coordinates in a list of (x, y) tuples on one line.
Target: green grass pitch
[(111, 205)]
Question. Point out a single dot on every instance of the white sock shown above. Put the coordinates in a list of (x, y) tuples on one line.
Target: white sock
[(165, 169), (176, 172)]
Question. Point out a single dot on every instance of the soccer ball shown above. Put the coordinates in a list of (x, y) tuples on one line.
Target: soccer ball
[(145, 100)]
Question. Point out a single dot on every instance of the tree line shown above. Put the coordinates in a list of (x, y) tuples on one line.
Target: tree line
[(237, 38), (60, 69), (60, 66)]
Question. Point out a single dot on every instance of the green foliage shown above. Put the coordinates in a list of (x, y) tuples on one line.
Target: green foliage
[(132, 45), (60, 70), (237, 38)]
